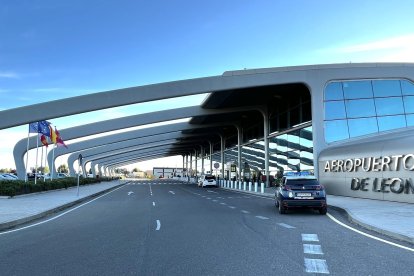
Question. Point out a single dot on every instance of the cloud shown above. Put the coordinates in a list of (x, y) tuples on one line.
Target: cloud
[(9, 75), (394, 43)]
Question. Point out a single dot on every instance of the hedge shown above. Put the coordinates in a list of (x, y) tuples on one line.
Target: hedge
[(19, 187)]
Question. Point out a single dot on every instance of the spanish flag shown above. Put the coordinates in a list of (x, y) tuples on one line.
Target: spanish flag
[(53, 135)]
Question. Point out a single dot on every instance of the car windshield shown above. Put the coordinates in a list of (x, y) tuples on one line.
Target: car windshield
[(209, 177), (302, 182)]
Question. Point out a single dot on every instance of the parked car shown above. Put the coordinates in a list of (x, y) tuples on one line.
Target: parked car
[(300, 192), (13, 176), (207, 180)]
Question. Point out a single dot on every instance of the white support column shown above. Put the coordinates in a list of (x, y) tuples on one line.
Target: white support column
[(202, 159), (239, 149), (266, 143), (195, 157), (182, 174), (223, 145), (191, 163), (211, 157)]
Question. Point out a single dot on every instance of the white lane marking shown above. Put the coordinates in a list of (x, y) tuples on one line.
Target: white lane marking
[(150, 189), (153, 203), (271, 198), (286, 225), (208, 197), (246, 196), (310, 237), (260, 217), (312, 249), (172, 192), (222, 203), (215, 200), (230, 197), (244, 211), (369, 236), (58, 216), (212, 192), (130, 193), (232, 207), (316, 266), (203, 196), (158, 225)]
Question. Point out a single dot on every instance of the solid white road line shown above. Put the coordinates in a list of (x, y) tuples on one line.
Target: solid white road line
[(369, 236), (286, 225), (310, 237), (312, 249), (244, 211), (260, 217), (316, 266), (158, 225), (58, 216)]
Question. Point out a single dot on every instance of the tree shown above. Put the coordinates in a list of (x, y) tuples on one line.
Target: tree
[(63, 168)]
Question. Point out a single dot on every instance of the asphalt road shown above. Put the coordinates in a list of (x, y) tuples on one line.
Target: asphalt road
[(163, 227)]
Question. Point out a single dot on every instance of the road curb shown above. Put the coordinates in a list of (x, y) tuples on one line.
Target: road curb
[(15, 223)]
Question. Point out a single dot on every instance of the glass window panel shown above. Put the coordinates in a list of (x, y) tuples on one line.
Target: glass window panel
[(407, 87), (336, 130), (391, 122), (360, 108), (335, 110), (358, 127), (409, 104), (386, 88), (333, 91), (389, 106), (357, 89), (410, 120)]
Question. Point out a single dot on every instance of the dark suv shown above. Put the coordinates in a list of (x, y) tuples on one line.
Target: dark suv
[(300, 192)]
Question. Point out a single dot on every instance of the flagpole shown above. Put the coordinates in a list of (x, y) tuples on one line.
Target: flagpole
[(52, 172), (37, 153), (27, 155), (44, 178)]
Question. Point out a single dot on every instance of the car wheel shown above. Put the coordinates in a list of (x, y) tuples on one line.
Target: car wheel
[(323, 210), (282, 209)]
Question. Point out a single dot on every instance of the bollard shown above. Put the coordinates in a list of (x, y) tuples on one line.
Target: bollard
[(255, 187), (262, 188), (244, 185), (250, 186)]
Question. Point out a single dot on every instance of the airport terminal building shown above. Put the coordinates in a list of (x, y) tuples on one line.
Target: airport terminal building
[(352, 125)]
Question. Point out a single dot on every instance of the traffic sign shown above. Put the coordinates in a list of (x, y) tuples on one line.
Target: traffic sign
[(216, 165)]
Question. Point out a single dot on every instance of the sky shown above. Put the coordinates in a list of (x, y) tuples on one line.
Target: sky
[(58, 49)]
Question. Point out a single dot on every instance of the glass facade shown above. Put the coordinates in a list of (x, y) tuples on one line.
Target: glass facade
[(361, 107), (292, 151)]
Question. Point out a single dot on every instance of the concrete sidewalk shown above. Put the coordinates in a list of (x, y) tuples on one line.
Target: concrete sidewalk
[(393, 219), (24, 208)]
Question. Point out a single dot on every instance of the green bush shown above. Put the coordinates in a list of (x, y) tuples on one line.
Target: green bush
[(19, 187)]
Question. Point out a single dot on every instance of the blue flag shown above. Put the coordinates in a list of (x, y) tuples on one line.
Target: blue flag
[(40, 127)]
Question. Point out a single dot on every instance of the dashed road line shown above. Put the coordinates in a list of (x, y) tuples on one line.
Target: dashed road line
[(261, 217), (231, 207), (158, 225), (215, 200), (222, 203), (310, 238), (245, 212), (312, 249), (153, 203), (316, 266), (286, 225)]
